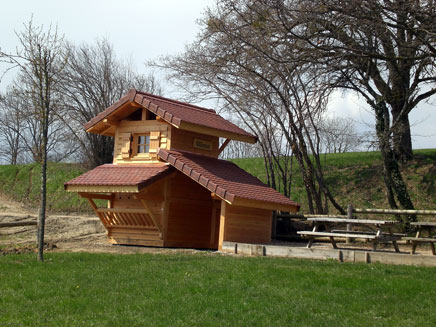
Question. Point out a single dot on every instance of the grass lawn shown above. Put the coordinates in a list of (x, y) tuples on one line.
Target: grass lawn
[(80, 289)]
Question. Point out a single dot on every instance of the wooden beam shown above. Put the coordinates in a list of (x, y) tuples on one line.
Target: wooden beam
[(107, 131), (122, 210), (96, 196), (99, 214), (19, 224), (102, 188), (395, 211), (166, 209), (223, 146), (216, 132), (217, 197), (263, 205), (221, 234), (213, 224), (152, 216), (112, 122), (93, 205)]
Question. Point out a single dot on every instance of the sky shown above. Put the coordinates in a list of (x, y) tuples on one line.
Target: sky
[(142, 30)]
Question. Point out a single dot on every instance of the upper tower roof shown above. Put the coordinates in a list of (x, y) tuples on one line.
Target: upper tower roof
[(179, 114)]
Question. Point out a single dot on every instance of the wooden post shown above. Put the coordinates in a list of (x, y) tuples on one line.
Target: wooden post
[(166, 208), (222, 225), (213, 223), (349, 226), (274, 225)]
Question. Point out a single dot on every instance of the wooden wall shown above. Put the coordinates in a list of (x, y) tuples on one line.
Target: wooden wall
[(184, 141), (188, 217), (159, 131), (247, 225), (133, 232), (190, 209), (163, 136)]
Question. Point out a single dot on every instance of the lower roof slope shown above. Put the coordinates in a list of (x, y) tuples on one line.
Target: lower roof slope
[(135, 177), (224, 178), (227, 180)]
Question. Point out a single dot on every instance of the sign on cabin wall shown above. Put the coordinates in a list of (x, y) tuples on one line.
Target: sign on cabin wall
[(202, 144)]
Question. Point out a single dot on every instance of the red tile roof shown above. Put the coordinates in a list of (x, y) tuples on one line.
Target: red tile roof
[(224, 178), (174, 112), (116, 175)]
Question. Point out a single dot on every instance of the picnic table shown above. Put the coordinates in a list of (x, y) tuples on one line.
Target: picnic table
[(423, 227), (377, 231)]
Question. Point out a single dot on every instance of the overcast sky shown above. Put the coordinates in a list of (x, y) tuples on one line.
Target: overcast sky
[(145, 29)]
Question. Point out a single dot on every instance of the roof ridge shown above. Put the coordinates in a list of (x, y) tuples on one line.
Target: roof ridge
[(185, 104)]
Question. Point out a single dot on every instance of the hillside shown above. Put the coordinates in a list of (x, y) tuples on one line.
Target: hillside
[(353, 178), (22, 183), (357, 178)]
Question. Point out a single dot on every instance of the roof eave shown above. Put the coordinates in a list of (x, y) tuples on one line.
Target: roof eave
[(101, 123), (242, 202), (129, 97), (217, 132), (102, 188)]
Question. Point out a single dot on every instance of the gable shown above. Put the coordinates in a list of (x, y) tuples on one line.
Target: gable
[(181, 115)]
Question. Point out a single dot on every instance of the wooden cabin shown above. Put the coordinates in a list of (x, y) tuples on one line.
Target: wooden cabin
[(166, 185)]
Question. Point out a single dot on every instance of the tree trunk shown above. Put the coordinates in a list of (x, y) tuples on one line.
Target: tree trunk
[(396, 189), (402, 139), (42, 211)]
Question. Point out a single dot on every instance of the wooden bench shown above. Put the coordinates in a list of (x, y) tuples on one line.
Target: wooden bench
[(363, 232), (423, 226), (376, 236)]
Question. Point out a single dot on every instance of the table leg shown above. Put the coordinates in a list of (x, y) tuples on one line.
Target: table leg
[(394, 243), (315, 229), (414, 244), (397, 249), (432, 248), (332, 239), (309, 244), (374, 245)]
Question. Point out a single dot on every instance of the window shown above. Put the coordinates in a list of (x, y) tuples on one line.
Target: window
[(143, 143)]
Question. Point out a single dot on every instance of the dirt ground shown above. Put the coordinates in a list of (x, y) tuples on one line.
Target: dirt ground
[(72, 233), (81, 233)]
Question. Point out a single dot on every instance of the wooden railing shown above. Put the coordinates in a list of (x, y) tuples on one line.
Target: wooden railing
[(126, 218)]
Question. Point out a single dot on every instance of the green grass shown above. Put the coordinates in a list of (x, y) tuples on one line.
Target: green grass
[(79, 289), (23, 184), (354, 178)]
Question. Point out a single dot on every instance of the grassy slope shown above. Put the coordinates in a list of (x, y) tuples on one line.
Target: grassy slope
[(353, 178), (80, 289), (357, 178), (23, 184)]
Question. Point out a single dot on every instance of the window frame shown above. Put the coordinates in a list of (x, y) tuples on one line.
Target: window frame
[(136, 145)]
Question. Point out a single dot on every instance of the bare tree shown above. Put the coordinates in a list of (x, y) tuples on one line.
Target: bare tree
[(238, 59), (338, 135), (93, 80), (11, 126), (383, 50), (236, 149), (25, 132), (40, 59)]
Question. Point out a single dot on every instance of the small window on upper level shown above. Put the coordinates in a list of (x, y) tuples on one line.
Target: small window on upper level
[(150, 115), (141, 114), (141, 143), (135, 116)]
